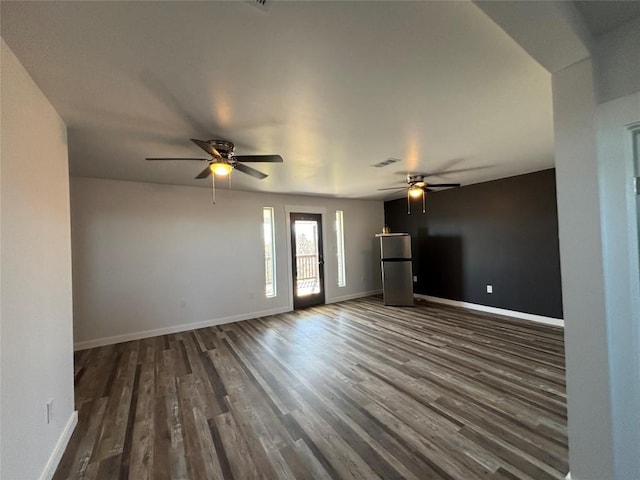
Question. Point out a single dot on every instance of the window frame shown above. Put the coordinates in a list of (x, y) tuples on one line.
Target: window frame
[(340, 251), (268, 219)]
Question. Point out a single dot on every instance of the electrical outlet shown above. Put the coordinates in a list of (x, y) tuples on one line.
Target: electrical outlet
[(489, 288), (49, 411), (415, 278)]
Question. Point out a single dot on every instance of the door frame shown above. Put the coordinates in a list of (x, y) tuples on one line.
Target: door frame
[(288, 210), (315, 298)]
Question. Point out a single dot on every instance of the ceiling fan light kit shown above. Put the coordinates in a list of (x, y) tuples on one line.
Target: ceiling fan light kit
[(415, 191), (221, 168)]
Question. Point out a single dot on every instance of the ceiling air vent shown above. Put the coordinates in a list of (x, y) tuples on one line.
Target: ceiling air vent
[(263, 5), (386, 162)]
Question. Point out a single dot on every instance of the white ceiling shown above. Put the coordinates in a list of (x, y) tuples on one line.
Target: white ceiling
[(333, 87)]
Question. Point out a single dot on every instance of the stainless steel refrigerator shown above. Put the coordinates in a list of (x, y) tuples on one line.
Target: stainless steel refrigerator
[(397, 276)]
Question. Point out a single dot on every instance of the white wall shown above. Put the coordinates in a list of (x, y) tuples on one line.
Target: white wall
[(616, 74), (599, 258), (36, 338), (586, 349), (621, 274), (150, 259)]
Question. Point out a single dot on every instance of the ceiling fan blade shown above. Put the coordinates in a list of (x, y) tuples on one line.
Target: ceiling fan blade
[(204, 173), (440, 173), (258, 158), (443, 185), (197, 159), (207, 147), (393, 188), (250, 171)]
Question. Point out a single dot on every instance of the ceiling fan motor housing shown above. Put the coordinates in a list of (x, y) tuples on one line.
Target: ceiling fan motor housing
[(224, 147), (417, 180)]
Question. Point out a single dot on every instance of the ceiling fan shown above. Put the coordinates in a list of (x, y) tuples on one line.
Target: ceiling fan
[(223, 160), (418, 187)]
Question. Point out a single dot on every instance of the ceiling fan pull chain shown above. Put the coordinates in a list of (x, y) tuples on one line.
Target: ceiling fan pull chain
[(408, 203), (213, 188), (424, 196)]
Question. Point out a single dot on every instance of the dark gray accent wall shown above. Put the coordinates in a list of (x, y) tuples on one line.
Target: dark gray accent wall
[(503, 233)]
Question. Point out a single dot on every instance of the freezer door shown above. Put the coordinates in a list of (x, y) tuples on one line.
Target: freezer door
[(395, 246), (397, 283)]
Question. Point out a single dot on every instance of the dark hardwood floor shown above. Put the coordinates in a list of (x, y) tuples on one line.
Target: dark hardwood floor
[(354, 390)]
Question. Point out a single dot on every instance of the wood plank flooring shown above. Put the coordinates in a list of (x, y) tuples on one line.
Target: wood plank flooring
[(354, 390)]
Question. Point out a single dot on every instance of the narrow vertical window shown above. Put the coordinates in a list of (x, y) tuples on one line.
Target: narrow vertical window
[(269, 252), (342, 278)]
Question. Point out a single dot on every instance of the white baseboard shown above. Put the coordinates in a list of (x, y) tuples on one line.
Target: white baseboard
[(61, 445), (556, 322), (183, 327), (353, 296)]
